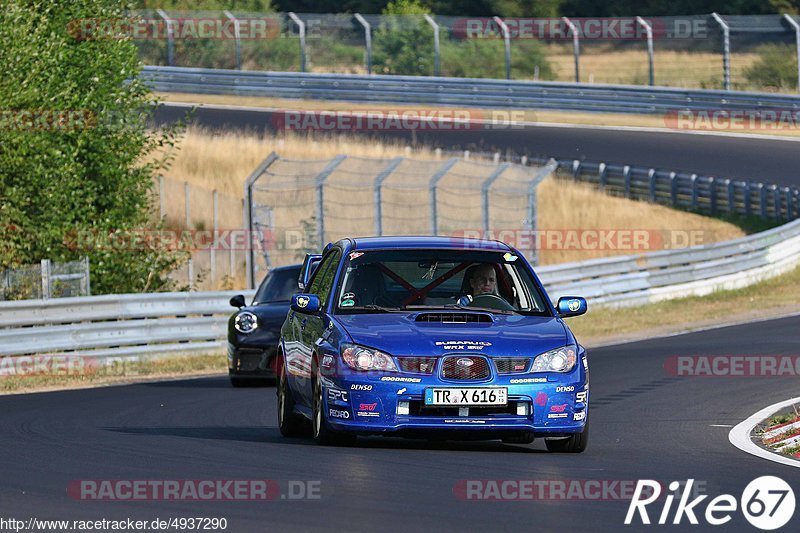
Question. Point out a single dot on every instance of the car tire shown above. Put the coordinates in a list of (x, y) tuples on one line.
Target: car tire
[(524, 437), (323, 434), (574, 444), (290, 423)]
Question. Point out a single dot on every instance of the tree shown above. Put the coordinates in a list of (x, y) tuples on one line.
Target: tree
[(76, 156)]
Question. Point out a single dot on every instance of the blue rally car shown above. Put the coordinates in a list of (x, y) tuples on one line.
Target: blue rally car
[(430, 337)]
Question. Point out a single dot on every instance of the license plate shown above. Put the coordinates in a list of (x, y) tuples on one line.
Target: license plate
[(467, 396)]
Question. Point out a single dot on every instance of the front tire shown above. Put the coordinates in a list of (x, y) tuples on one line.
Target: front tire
[(290, 423), (574, 444), (323, 434)]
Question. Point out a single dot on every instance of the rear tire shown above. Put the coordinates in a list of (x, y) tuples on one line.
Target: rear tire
[(323, 434), (290, 423), (574, 444)]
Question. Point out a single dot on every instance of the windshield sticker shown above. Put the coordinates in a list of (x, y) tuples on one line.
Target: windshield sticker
[(431, 271), (509, 257), (463, 345), (355, 255), (348, 300)]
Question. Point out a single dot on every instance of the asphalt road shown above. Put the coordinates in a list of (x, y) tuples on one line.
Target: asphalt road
[(644, 422), (764, 160)]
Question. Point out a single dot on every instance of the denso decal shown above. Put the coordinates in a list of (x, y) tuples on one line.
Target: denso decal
[(403, 380), (360, 386), (527, 380), (566, 388), (338, 413)]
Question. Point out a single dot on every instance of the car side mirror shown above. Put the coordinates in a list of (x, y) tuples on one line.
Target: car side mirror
[(571, 306), (305, 303), (238, 301)]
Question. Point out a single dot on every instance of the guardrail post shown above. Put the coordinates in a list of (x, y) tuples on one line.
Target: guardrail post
[(776, 201), (301, 28), (712, 187), (796, 27), (45, 279), (789, 204), (748, 208), (170, 37), (434, 181), (693, 178), (379, 179), (673, 188), (320, 185), (576, 47), (651, 176), (726, 49), (237, 34), (487, 184), (731, 196), (602, 175), (576, 169), (506, 44), (763, 207), (367, 41), (626, 176), (649, 30), (436, 53)]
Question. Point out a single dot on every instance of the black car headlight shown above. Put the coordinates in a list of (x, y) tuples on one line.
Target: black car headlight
[(558, 360), (362, 358), (245, 322)]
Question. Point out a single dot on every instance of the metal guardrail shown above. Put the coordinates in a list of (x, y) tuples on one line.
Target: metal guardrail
[(466, 92), (151, 324)]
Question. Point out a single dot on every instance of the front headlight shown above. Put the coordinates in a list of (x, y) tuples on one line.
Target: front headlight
[(245, 322), (559, 360), (361, 358)]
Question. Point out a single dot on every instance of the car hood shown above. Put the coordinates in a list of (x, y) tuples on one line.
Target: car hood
[(402, 334)]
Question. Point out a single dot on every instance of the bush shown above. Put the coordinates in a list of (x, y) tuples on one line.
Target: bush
[(775, 68), (91, 173)]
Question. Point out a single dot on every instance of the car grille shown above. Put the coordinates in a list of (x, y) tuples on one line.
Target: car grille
[(511, 365), (417, 365), (249, 360), (477, 370), (454, 318)]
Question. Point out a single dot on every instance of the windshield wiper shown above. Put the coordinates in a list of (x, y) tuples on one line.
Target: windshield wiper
[(371, 307), (463, 308)]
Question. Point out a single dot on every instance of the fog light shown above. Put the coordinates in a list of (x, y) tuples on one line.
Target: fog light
[(402, 408), (522, 409)]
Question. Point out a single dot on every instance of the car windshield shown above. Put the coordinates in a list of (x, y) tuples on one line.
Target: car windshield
[(391, 280), (278, 286)]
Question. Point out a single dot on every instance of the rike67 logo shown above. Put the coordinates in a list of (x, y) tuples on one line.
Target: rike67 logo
[(767, 503)]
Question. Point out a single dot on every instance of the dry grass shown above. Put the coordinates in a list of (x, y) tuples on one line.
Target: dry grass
[(223, 161)]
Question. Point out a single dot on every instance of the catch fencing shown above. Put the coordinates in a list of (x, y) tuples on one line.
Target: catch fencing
[(46, 280), (701, 51)]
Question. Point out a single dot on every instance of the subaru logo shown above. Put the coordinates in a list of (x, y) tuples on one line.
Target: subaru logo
[(302, 301), (466, 363), (574, 305)]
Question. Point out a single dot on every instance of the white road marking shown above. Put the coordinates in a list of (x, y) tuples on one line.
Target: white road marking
[(739, 436)]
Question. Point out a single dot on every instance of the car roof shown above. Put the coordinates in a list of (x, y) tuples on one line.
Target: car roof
[(412, 242)]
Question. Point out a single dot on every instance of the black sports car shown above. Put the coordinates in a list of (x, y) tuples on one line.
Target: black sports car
[(254, 330)]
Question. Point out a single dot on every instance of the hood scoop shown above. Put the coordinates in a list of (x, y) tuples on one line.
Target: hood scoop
[(454, 318)]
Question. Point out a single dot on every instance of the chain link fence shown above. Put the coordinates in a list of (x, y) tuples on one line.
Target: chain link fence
[(298, 205), (756, 52), (46, 280)]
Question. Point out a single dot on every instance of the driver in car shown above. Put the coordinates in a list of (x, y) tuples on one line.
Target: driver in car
[(483, 280)]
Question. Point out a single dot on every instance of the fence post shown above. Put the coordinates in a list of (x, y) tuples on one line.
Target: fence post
[(731, 196), (301, 28), (626, 175), (379, 179), (45, 279), (576, 169), (320, 184), (576, 47), (651, 175), (506, 44), (602, 175), (214, 242), (796, 27), (247, 219), (693, 177), (762, 201), (188, 213), (367, 41), (533, 223), (748, 208), (487, 184), (88, 275), (170, 37), (161, 209), (726, 50), (673, 188), (776, 199), (649, 30), (438, 175), (237, 34), (436, 54)]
